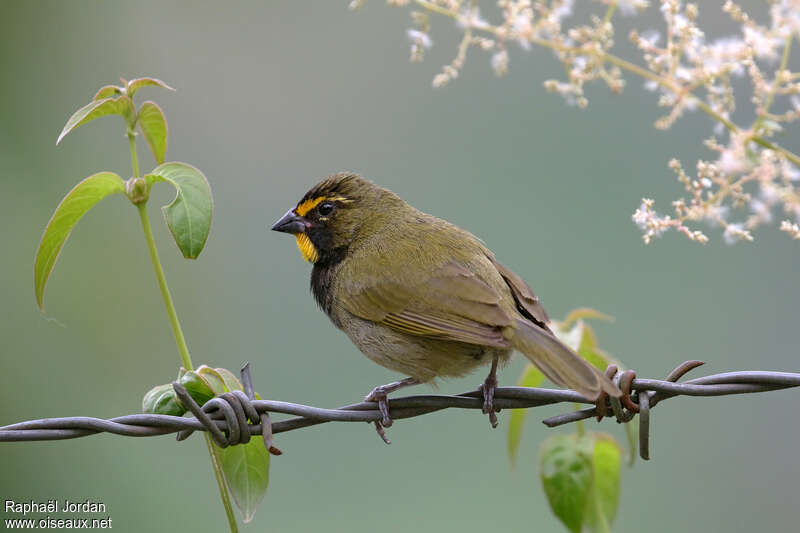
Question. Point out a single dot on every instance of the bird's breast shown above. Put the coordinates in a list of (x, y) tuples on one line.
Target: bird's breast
[(323, 277)]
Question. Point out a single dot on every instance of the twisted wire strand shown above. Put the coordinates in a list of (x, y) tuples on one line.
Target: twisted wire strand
[(234, 417)]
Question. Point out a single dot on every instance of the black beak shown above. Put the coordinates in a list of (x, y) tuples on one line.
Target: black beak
[(291, 222)]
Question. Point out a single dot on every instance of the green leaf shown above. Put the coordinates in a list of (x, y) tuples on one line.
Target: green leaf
[(246, 470), (231, 381), (581, 478), (606, 467), (154, 127), (595, 356), (245, 466), (571, 337), (162, 400), (74, 205), (108, 91), (583, 313), (582, 339), (197, 386), (531, 377), (122, 105), (566, 471), (212, 378), (138, 83), (219, 379), (189, 214)]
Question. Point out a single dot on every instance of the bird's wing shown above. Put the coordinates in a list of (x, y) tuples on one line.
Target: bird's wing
[(451, 303), (526, 300)]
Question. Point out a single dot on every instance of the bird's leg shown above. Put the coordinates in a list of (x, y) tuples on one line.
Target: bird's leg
[(378, 395), (487, 388)]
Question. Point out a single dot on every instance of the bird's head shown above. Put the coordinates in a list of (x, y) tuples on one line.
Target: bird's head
[(330, 217)]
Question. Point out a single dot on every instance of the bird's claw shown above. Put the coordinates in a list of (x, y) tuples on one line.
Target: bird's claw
[(381, 432), (378, 395), (487, 389)]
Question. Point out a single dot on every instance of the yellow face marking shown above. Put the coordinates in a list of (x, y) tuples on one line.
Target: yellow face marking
[(308, 205), (305, 207), (307, 248)]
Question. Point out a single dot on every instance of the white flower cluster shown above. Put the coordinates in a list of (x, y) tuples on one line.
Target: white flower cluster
[(751, 177)]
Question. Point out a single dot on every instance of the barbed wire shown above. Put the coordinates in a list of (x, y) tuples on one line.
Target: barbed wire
[(233, 417)]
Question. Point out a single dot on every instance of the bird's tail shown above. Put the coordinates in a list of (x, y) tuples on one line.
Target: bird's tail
[(560, 364)]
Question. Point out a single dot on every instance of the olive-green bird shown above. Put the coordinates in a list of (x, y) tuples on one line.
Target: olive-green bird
[(421, 296)]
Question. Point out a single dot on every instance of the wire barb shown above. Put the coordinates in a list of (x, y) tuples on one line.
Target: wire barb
[(234, 417), (237, 410), (266, 423), (628, 405)]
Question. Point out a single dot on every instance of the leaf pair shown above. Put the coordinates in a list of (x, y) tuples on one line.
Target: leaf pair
[(245, 466), (188, 216), (201, 385), (581, 478), (115, 100)]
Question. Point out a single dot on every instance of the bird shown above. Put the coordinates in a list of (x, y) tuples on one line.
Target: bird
[(421, 296)]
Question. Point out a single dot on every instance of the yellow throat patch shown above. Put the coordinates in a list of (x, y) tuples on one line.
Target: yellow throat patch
[(307, 248), (304, 244)]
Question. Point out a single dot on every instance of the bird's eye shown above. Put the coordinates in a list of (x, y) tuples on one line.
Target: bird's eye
[(325, 209)]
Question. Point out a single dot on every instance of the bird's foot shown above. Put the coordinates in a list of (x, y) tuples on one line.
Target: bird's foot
[(379, 396), (487, 388)]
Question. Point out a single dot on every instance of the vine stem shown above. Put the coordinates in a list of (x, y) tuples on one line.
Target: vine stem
[(223, 489), (162, 284), (134, 157), (180, 340), (630, 67), (579, 424)]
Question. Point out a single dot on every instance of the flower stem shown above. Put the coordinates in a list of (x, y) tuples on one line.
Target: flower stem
[(610, 12), (771, 97), (686, 92)]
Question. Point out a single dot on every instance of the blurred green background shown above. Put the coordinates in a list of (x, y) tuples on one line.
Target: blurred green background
[(273, 96)]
